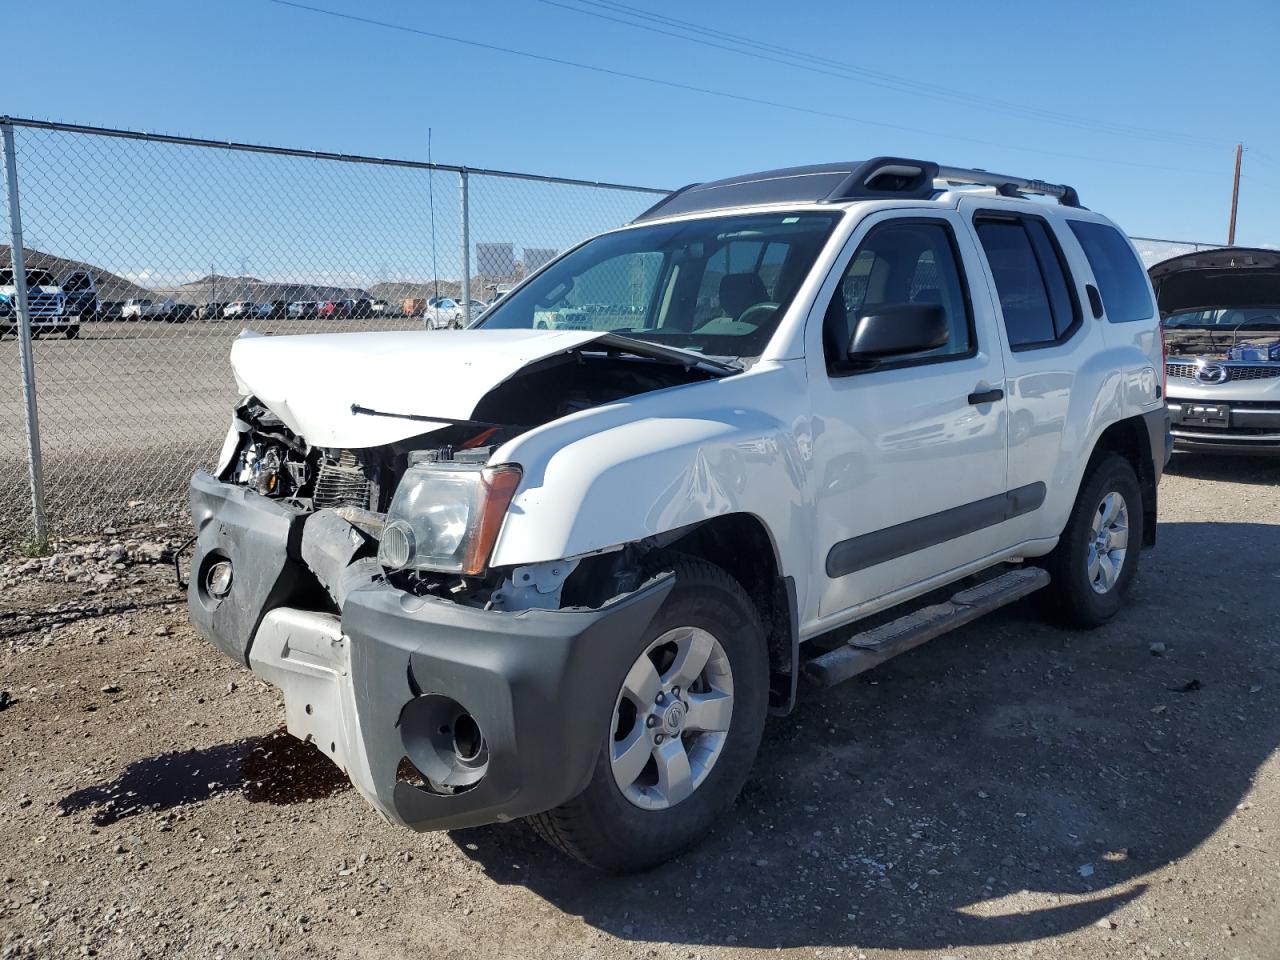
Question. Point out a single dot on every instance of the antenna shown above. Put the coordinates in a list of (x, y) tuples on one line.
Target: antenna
[(431, 204)]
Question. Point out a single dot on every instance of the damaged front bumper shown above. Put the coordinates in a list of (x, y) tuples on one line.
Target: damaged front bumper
[(442, 715)]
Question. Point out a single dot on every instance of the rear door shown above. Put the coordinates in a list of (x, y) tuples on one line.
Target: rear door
[(1047, 343)]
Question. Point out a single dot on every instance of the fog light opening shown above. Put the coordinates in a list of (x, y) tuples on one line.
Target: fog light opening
[(444, 743), (467, 739)]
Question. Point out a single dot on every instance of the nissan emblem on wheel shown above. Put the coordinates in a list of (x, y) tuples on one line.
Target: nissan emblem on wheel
[(565, 571)]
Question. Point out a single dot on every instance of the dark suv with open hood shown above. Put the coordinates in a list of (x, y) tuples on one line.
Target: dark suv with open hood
[(1221, 312)]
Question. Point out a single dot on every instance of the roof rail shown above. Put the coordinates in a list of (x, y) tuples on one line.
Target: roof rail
[(898, 177), (881, 178), (1011, 186)]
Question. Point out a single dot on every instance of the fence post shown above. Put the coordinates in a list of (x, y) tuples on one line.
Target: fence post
[(17, 257), (466, 247)]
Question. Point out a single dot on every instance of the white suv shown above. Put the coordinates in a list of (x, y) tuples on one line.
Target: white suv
[(565, 574)]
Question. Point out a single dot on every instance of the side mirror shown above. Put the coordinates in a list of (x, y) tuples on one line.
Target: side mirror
[(896, 329)]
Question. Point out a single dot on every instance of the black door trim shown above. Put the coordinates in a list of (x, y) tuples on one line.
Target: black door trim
[(879, 546)]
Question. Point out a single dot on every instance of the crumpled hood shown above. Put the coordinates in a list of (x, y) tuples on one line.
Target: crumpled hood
[(310, 382)]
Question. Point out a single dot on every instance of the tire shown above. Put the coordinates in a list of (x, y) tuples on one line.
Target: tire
[(1081, 594), (72, 332), (607, 828)]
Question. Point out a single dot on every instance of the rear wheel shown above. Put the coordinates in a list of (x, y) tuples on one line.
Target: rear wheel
[(685, 728), (72, 332), (1097, 555)]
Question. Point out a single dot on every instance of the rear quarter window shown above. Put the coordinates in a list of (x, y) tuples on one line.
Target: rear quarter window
[(1122, 281)]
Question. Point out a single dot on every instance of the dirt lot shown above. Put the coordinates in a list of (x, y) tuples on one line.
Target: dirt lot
[(1011, 790)]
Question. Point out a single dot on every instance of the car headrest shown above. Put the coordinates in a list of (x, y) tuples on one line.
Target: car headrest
[(738, 291)]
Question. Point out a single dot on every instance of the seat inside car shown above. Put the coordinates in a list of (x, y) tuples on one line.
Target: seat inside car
[(739, 292)]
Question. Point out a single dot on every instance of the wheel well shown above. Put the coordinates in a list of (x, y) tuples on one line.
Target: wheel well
[(740, 544), (1129, 439)]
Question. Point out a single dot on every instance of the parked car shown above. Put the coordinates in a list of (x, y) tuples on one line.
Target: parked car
[(566, 574), (302, 309), (80, 293), (144, 309), (210, 311), (1221, 311), (239, 309), (181, 313), (360, 308), (442, 313), (377, 307), (46, 304), (331, 309)]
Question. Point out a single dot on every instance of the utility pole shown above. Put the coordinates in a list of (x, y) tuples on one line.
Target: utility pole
[(1235, 198)]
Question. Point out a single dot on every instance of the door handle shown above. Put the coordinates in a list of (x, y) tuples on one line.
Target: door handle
[(986, 396)]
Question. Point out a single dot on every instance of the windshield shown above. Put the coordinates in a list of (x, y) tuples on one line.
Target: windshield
[(1230, 318), (718, 285), (35, 278)]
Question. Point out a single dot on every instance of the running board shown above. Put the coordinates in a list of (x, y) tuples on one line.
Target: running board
[(873, 647)]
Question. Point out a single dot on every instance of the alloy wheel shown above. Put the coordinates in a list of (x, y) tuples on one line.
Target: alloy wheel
[(671, 718)]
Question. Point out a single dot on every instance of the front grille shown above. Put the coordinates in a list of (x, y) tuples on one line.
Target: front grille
[(1235, 371), (42, 306), (342, 482)]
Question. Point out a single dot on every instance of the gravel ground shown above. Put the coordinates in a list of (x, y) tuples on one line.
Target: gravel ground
[(1010, 790)]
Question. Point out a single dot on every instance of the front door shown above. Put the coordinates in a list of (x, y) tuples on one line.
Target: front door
[(910, 456)]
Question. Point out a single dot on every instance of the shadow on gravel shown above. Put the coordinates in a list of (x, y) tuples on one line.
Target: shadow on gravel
[(1008, 783), (276, 768)]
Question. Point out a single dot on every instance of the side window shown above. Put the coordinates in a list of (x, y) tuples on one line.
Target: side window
[(1036, 295), (907, 261), (1121, 280)]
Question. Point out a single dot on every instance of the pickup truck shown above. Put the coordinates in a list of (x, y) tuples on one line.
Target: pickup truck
[(46, 305), (566, 575)]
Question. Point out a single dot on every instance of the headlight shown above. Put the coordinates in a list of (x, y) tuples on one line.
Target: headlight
[(446, 516)]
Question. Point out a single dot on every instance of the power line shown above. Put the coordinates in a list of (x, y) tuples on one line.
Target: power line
[(805, 60), (1255, 155), (724, 94)]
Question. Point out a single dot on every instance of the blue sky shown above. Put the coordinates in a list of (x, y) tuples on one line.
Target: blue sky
[(922, 83)]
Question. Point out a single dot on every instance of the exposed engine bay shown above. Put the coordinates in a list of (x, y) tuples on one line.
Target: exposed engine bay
[(1251, 346), (360, 525)]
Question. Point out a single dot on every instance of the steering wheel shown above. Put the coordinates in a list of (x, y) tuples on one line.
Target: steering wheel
[(758, 313)]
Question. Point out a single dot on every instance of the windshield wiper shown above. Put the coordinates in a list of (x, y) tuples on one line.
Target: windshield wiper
[(658, 351), (421, 418)]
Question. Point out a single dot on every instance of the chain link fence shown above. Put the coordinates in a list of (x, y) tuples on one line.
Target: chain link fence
[(189, 242), (147, 255), (1153, 251)]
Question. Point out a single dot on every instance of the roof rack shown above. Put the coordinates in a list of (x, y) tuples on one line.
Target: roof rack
[(881, 178), (1011, 186)]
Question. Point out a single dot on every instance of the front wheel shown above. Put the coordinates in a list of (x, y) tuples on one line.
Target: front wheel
[(1097, 555), (685, 728)]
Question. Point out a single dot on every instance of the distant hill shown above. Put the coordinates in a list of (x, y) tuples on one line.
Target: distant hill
[(218, 288), (110, 286), (398, 291)]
